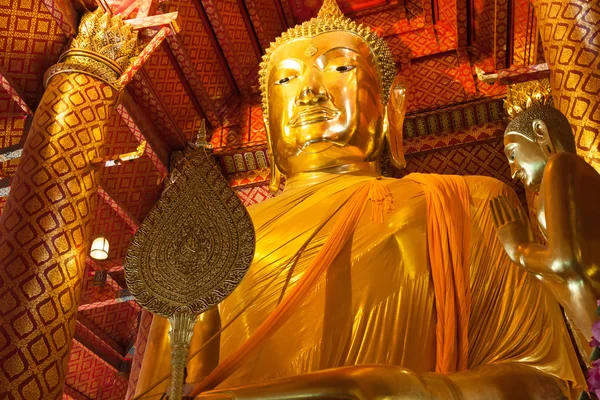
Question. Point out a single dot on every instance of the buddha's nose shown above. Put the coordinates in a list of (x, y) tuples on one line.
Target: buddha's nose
[(313, 91)]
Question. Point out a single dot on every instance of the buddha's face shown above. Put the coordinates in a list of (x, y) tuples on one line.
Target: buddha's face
[(324, 103), (526, 159)]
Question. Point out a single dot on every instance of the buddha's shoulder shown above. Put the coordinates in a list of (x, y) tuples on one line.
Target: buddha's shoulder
[(478, 185)]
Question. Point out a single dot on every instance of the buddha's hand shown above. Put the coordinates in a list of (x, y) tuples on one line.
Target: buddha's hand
[(512, 225)]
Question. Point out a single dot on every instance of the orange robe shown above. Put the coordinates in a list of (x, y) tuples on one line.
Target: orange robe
[(376, 304)]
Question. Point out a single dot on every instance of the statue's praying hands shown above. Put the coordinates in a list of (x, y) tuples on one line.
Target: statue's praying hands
[(513, 227)]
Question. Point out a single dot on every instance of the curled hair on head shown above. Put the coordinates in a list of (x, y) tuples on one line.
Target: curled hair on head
[(558, 125)]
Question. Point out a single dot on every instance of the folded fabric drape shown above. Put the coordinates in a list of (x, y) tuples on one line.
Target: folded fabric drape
[(448, 242)]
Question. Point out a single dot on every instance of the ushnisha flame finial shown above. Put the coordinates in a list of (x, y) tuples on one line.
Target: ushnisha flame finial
[(330, 8), (523, 96)]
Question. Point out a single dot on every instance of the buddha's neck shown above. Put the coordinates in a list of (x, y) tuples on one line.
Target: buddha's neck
[(301, 179)]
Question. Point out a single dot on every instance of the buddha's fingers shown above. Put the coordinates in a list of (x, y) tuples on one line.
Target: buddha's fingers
[(525, 218), (510, 211)]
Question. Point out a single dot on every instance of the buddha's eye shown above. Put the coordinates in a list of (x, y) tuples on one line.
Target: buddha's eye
[(286, 80), (344, 68), (512, 156)]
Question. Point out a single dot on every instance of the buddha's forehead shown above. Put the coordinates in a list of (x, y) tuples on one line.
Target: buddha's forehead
[(513, 137), (307, 48)]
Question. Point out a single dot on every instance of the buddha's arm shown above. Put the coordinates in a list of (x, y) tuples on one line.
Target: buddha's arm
[(563, 256), (561, 263), (493, 382)]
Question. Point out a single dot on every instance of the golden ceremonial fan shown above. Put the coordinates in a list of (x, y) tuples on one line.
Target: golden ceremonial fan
[(190, 252)]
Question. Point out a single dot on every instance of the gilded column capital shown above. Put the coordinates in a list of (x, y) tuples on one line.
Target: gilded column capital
[(103, 48)]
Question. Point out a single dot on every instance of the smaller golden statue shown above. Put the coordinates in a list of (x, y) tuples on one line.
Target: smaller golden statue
[(540, 148)]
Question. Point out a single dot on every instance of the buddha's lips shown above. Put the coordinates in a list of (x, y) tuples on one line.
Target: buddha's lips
[(312, 115)]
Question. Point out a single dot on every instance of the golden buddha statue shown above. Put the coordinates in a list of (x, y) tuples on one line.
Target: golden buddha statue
[(541, 151), (353, 296)]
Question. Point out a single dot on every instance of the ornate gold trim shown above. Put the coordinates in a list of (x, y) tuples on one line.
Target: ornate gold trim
[(92, 55), (194, 247)]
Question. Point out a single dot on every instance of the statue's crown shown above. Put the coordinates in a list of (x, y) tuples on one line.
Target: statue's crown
[(330, 8), (523, 96), (330, 18)]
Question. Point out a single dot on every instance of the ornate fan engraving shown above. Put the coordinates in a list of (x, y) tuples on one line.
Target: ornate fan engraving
[(195, 245)]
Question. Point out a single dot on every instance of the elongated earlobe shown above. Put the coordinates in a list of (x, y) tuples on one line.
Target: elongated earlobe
[(394, 122), (542, 136), (275, 175)]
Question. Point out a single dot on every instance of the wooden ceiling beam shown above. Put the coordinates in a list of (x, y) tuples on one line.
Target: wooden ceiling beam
[(209, 9), (183, 65), (253, 25), (118, 207), (123, 296), (144, 93), (501, 33), (212, 35), (101, 349), (70, 393)]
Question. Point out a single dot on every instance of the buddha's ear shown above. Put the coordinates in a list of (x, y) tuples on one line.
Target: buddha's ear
[(394, 122), (542, 136), (275, 180)]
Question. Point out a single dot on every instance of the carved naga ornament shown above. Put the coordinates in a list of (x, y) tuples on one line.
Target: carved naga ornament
[(190, 252)]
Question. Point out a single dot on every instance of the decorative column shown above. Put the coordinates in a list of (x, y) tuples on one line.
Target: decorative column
[(569, 31), (44, 229)]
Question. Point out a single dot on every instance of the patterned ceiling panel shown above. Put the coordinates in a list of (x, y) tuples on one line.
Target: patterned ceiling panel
[(481, 158), (265, 19), (202, 51), (93, 377), (237, 33), (245, 128), (91, 293), (169, 88), (482, 32), (524, 33), (30, 41), (134, 184), (118, 321), (439, 80), (388, 22), (446, 12)]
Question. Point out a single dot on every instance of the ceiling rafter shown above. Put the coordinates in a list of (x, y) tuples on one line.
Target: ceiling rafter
[(70, 393), (143, 90), (212, 35), (183, 64), (118, 207), (501, 33), (185, 83), (122, 296), (90, 326), (142, 129), (99, 347), (209, 7), (253, 25), (109, 280)]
